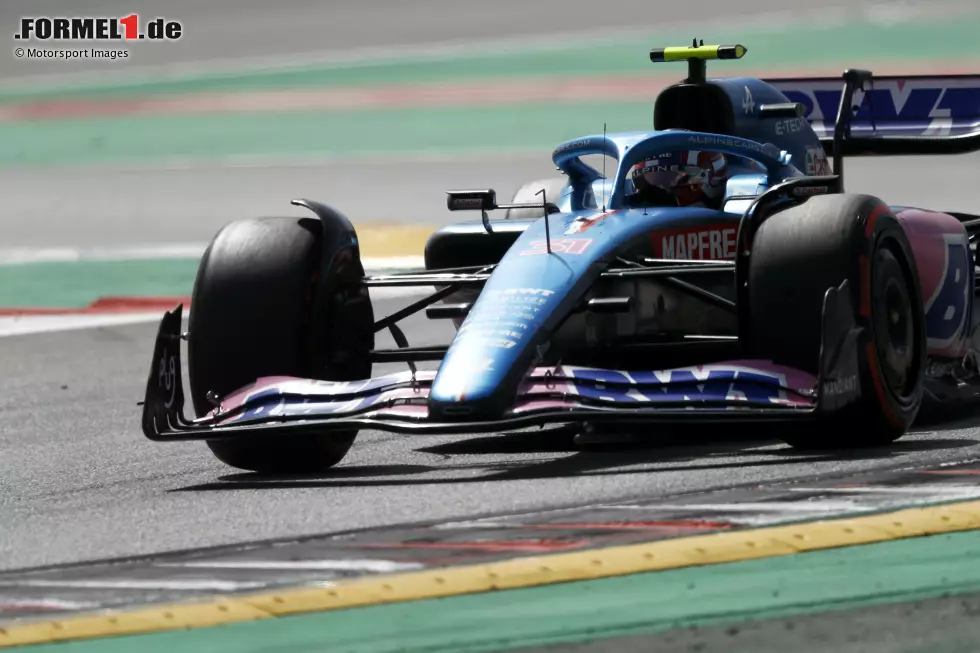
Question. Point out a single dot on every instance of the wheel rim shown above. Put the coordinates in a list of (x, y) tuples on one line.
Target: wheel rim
[(894, 325)]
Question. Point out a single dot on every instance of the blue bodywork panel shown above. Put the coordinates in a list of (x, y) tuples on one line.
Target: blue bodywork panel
[(794, 135), (532, 290), (507, 330)]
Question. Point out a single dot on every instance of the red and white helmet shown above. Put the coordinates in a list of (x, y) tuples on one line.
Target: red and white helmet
[(688, 176)]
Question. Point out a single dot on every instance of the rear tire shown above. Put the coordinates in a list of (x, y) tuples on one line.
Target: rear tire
[(527, 194), (250, 317), (796, 256)]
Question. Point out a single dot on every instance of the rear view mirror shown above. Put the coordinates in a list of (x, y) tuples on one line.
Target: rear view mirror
[(486, 200), (471, 200)]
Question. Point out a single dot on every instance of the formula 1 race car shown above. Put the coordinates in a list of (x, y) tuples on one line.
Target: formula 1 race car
[(790, 301)]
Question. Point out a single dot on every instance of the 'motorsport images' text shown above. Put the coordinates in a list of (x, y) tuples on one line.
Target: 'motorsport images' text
[(79, 53)]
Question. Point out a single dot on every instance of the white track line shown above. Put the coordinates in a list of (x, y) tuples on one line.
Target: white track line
[(43, 604), (23, 255), (768, 506), (34, 324), (376, 566), (929, 492), (20, 255), (137, 584)]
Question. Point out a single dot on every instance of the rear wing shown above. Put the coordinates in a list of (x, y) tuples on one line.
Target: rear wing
[(866, 115)]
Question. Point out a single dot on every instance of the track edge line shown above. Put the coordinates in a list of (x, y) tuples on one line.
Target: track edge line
[(700, 550)]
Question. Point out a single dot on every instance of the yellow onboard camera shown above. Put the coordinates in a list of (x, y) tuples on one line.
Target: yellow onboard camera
[(696, 55)]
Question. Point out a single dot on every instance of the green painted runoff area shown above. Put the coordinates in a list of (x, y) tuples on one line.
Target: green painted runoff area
[(402, 129), (77, 284), (849, 577), (367, 133)]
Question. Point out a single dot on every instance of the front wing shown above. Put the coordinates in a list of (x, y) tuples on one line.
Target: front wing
[(751, 390)]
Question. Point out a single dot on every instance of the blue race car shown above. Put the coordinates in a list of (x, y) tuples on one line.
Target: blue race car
[(719, 273)]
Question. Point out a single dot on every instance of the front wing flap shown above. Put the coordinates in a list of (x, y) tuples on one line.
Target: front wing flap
[(752, 390), (730, 391)]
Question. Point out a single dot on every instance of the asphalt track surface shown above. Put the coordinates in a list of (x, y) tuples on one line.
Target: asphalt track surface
[(105, 207), (77, 479)]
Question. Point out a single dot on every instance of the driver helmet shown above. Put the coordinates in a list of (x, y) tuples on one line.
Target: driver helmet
[(684, 178)]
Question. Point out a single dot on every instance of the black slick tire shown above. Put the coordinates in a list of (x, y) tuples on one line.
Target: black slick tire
[(796, 256), (250, 317)]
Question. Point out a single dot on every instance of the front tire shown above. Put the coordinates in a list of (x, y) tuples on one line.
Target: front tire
[(251, 317), (796, 256)]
